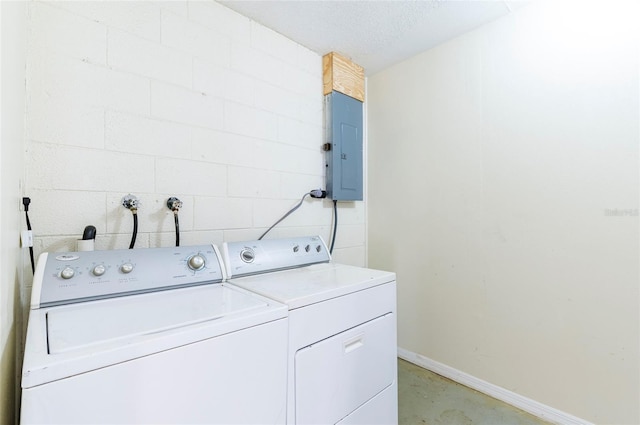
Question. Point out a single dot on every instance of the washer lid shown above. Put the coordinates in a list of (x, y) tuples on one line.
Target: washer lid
[(312, 284), (83, 325), (68, 340)]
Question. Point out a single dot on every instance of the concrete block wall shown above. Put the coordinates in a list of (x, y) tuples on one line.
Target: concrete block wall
[(161, 99)]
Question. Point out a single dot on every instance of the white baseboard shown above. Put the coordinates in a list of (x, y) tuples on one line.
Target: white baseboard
[(533, 407)]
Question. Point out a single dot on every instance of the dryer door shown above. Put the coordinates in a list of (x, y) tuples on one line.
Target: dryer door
[(335, 376)]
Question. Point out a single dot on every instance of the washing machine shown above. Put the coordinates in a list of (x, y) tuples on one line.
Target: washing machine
[(342, 365), (151, 336)]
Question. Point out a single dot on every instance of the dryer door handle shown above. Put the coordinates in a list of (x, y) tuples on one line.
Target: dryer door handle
[(354, 343)]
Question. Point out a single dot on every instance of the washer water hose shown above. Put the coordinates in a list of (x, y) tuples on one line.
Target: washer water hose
[(87, 243), (89, 233), (131, 202), (134, 211), (174, 204)]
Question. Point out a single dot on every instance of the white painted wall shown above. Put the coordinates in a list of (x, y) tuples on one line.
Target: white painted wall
[(12, 94), (160, 99), (503, 190)]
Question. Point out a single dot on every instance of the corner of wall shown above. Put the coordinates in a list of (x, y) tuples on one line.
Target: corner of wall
[(13, 17)]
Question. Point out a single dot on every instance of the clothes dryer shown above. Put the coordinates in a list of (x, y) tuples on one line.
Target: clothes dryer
[(342, 366)]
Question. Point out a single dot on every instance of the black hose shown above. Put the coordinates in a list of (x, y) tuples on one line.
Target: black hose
[(175, 219), (135, 229), (33, 264), (89, 233), (335, 225)]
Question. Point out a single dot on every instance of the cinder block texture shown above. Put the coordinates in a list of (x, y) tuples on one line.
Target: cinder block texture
[(161, 99)]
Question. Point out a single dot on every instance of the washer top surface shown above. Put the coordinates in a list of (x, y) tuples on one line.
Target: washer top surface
[(79, 326), (67, 340), (312, 284), (94, 309)]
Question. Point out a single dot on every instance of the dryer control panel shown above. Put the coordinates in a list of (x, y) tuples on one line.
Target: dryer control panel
[(261, 256), (70, 277)]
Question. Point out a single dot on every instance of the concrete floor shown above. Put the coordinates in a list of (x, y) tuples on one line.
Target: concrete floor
[(427, 398)]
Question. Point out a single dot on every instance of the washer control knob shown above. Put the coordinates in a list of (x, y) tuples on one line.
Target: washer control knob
[(307, 248), (318, 248), (196, 262), (247, 255), (126, 268), (99, 270), (67, 273), (296, 248)]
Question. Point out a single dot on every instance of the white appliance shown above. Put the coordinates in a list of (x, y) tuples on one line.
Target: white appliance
[(150, 336), (342, 329)]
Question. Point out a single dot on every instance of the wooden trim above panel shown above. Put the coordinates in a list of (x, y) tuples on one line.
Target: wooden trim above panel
[(342, 75)]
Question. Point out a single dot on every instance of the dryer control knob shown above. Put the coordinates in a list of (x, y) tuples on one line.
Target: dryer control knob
[(247, 255), (126, 268), (67, 273), (196, 262), (99, 270)]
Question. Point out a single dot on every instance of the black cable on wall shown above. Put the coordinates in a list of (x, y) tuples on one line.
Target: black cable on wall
[(26, 202), (335, 225)]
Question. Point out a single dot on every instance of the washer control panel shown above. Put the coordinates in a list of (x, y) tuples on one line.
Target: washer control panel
[(254, 257), (69, 277)]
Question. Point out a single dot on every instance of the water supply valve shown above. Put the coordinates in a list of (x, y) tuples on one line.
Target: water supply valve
[(174, 204), (130, 202)]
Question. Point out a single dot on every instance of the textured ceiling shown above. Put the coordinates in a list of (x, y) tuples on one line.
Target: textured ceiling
[(375, 34)]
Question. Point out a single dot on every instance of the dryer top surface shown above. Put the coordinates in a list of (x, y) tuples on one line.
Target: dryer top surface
[(312, 284)]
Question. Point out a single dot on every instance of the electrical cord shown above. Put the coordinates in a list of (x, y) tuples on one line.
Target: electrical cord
[(286, 215), (316, 193), (26, 202), (335, 225)]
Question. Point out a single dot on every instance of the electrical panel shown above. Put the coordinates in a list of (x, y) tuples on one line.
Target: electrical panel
[(344, 152)]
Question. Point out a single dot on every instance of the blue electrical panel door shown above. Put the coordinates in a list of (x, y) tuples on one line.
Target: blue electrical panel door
[(345, 155)]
